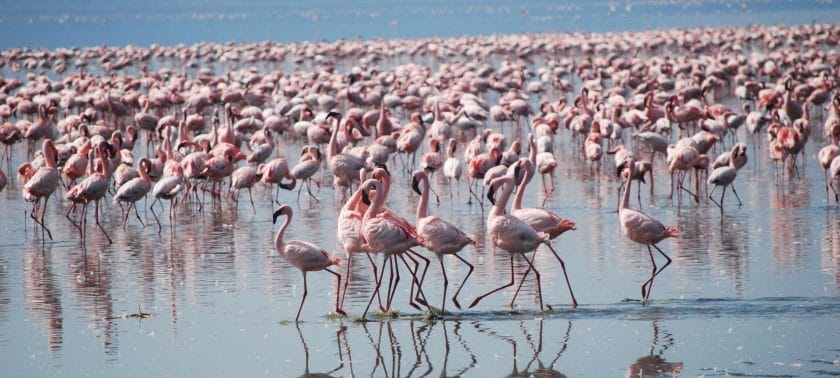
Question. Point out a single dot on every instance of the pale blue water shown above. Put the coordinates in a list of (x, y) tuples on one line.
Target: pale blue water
[(54, 24), (756, 294)]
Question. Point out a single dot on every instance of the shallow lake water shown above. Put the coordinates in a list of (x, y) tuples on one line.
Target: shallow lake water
[(752, 293)]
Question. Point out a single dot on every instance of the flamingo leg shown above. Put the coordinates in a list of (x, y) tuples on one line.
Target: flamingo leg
[(309, 190), (96, 216), (414, 278), (668, 262), (43, 214), (302, 299), (471, 267), (250, 197), (509, 284), (136, 213), (126, 213), (395, 279), (646, 292), (152, 208), (373, 266), (521, 282), (713, 199), (563, 265), (338, 309), (736, 195), (347, 278), (445, 284), (67, 215), (423, 276), (537, 274), (375, 290)]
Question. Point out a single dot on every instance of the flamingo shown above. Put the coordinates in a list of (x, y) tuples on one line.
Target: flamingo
[(310, 161), (305, 256), (135, 189), (92, 189), (725, 176), (344, 167), (511, 234), (439, 236), (42, 184), (452, 167), (386, 233), (834, 174), (641, 228), (826, 156), (541, 220), (167, 188), (349, 233), (244, 178), (273, 173)]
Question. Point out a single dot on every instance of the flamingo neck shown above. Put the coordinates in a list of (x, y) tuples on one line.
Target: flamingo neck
[(501, 202), (625, 199), (423, 205), (332, 149), (532, 154), (520, 191), (278, 239), (142, 171), (376, 206)]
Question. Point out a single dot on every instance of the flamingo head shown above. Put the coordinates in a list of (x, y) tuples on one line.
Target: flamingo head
[(491, 195), (282, 210), (415, 180), (289, 185)]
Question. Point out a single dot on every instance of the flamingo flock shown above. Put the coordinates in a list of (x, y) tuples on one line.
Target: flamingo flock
[(119, 125)]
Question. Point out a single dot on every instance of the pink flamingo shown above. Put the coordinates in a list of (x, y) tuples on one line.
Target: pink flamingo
[(349, 233), (135, 189), (42, 184), (384, 177), (826, 155), (167, 188), (305, 256), (310, 161), (452, 167), (542, 221), (386, 233), (511, 234), (344, 167), (641, 228), (244, 178), (439, 236), (92, 189)]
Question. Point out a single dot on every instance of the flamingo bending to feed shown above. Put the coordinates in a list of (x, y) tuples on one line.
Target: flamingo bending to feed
[(725, 176), (641, 228), (511, 234), (305, 256), (439, 236)]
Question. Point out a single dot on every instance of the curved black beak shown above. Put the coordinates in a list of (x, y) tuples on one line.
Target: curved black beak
[(619, 168), (290, 185), (415, 184), (490, 195), (365, 198), (276, 214)]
